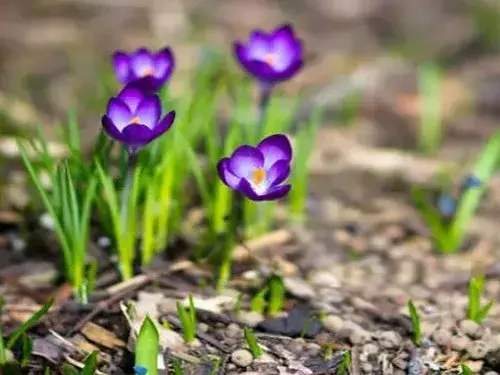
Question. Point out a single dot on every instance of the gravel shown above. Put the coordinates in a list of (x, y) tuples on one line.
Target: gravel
[(242, 358)]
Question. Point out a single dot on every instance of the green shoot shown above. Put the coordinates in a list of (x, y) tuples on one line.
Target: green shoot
[(276, 296), (415, 321), (26, 349), (466, 370), (90, 364), (3, 354), (147, 347), (345, 365), (328, 354), (70, 212), (430, 108), (259, 302), (32, 321), (475, 311), (188, 320), (176, 363), (252, 343)]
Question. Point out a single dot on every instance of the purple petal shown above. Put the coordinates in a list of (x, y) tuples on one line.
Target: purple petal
[(289, 72), (225, 175), (258, 46), (245, 188), (275, 147), (119, 113), (137, 135), (163, 64), (121, 64), (278, 173), (244, 160), (164, 124), (149, 111), (142, 62), (110, 128), (286, 50), (132, 96)]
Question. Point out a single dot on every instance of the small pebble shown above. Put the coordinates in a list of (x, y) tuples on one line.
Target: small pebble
[(296, 346), (390, 339), (460, 343), (367, 367), (333, 323), (312, 348), (491, 373), (471, 328), (370, 349), (478, 349), (250, 373), (299, 288), (234, 331), (360, 336), (242, 358), (400, 363), (442, 337), (203, 327), (251, 318), (324, 279)]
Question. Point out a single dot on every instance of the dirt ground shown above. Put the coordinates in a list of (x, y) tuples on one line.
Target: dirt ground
[(364, 251)]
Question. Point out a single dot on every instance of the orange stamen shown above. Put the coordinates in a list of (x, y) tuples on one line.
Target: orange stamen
[(135, 120), (148, 72), (258, 175), (269, 58)]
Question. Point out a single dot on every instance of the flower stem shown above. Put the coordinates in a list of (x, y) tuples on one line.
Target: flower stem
[(266, 90), (126, 267)]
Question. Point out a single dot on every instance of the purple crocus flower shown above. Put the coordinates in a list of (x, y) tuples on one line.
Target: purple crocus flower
[(271, 58), (257, 172), (133, 118), (148, 69)]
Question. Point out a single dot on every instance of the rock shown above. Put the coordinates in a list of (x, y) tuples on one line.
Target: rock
[(390, 340), (370, 349), (264, 358), (478, 349), (9, 356), (475, 366), (460, 343), (203, 327), (428, 328), (494, 342), (442, 337), (251, 318), (216, 304), (360, 336), (250, 373), (296, 346), (333, 323), (312, 349), (324, 279), (234, 331), (491, 373), (471, 329), (400, 363), (171, 339), (299, 288), (242, 358)]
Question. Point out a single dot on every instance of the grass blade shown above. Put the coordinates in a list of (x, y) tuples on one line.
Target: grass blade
[(90, 364), (29, 323), (147, 347)]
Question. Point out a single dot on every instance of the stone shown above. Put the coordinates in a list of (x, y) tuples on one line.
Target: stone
[(460, 343), (299, 288), (242, 358), (478, 349), (234, 331), (471, 329), (390, 339), (296, 346), (360, 336), (333, 323), (324, 279), (251, 318), (442, 337)]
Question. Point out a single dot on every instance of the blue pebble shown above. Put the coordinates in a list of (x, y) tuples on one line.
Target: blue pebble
[(446, 205), (472, 181), (140, 370)]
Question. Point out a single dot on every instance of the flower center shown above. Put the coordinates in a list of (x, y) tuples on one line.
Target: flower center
[(258, 176), (135, 120), (270, 58), (148, 72)]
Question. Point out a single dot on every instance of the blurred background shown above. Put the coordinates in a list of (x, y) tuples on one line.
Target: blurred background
[(53, 54)]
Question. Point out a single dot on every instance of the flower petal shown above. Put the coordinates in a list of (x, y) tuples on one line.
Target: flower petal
[(275, 147), (121, 64), (142, 62), (119, 113), (131, 95), (163, 64), (275, 193), (137, 135), (225, 175), (278, 173), (164, 124), (149, 111), (258, 45), (244, 160), (286, 49), (244, 187), (110, 128)]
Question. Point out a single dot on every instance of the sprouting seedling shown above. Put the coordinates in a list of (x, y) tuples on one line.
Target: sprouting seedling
[(147, 348), (415, 321), (449, 221), (188, 320), (259, 302), (276, 295), (90, 364), (345, 364), (328, 354), (475, 311), (252, 343), (466, 370), (176, 364)]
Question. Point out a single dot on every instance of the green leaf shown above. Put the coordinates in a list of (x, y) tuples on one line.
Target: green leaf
[(90, 364), (27, 348), (415, 320), (252, 343), (29, 324), (484, 311), (258, 303), (188, 326), (177, 367), (147, 347), (466, 370), (276, 296), (3, 356)]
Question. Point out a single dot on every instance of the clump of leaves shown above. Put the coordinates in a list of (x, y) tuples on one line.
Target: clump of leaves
[(188, 320), (475, 311), (252, 343)]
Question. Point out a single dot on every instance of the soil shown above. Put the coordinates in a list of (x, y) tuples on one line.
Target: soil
[(363, 252)]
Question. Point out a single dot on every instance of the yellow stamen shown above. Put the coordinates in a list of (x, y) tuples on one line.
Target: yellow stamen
[(135, 120), (148, 72), (269, 58), (258, 175)]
